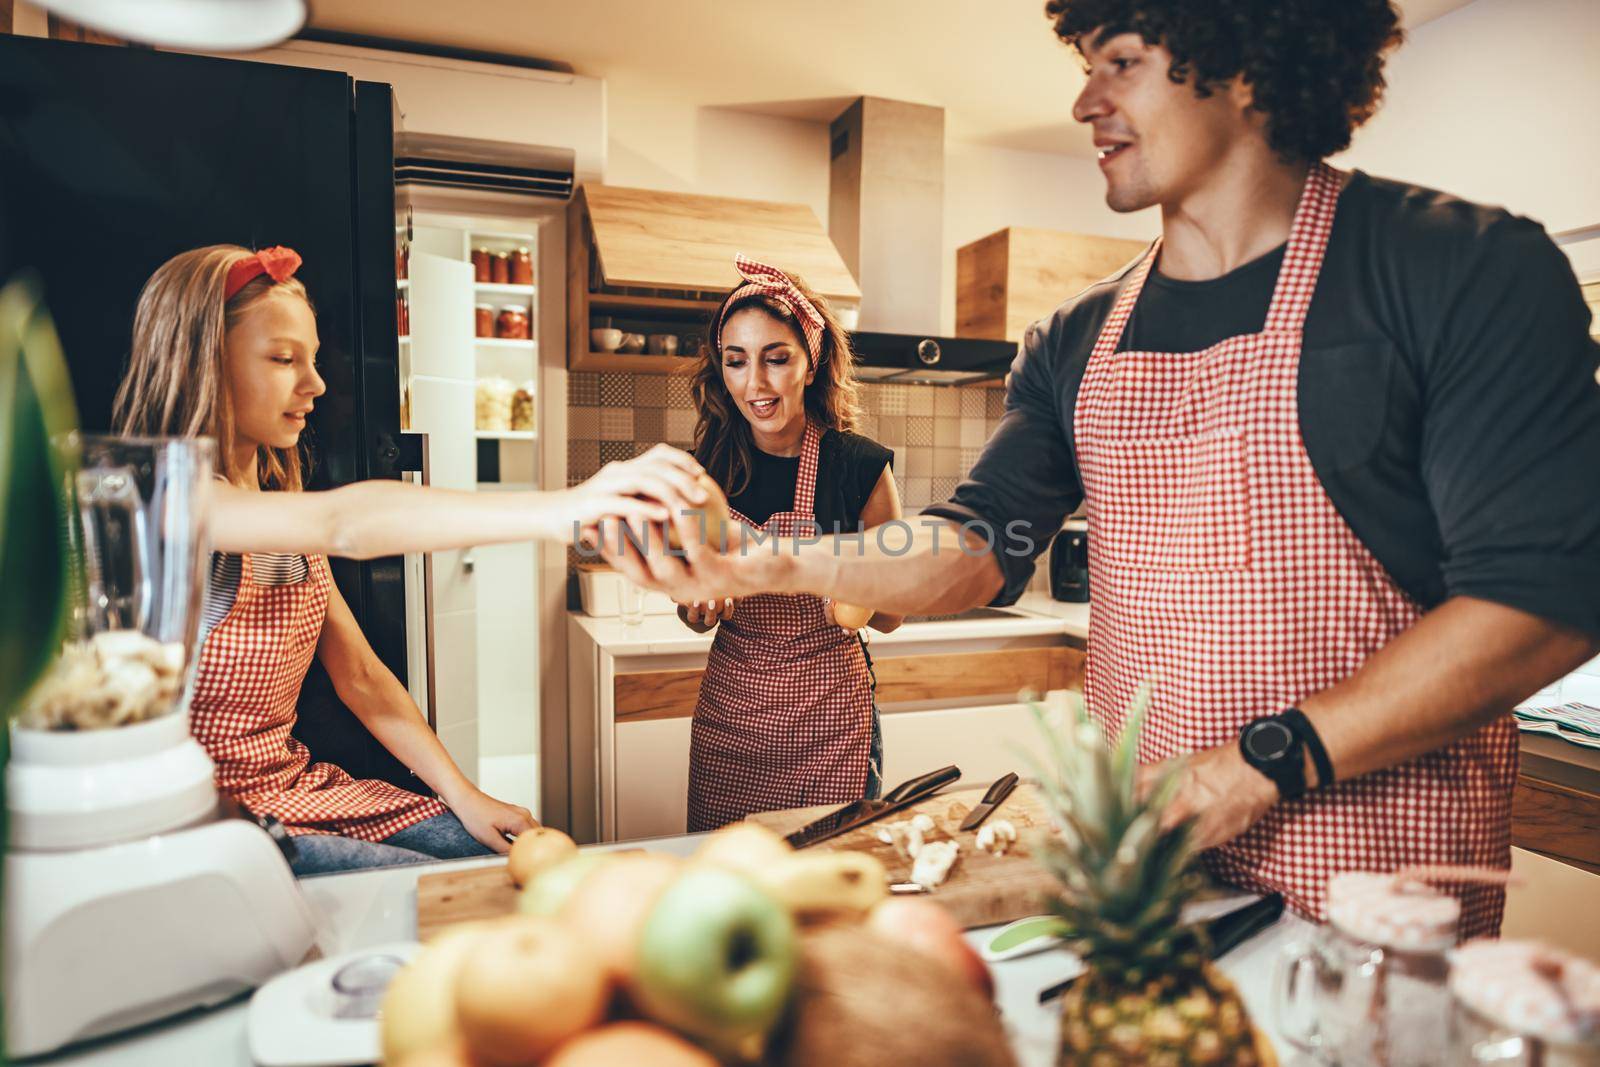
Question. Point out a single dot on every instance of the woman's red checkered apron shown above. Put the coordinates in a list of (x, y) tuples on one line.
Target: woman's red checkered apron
[(1221, 572), (251, 668), (784, 718)]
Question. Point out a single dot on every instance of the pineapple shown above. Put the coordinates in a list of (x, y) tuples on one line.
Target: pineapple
[(1151, 995)]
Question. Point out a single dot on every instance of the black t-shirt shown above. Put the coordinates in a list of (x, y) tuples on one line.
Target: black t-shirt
[(1447, 400), (848, 468)]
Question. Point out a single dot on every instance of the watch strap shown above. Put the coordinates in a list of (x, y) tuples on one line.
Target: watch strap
[(1300, 723)]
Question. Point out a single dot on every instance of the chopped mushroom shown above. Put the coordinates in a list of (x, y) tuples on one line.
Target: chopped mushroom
[(933, 863), (997, 837)]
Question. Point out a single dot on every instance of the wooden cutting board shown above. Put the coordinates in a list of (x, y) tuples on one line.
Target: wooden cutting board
[(981, 890)]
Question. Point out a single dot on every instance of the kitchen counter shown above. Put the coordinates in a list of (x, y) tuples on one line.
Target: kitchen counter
[(371, 908)]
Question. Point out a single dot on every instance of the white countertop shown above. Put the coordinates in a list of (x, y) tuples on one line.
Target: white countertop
[(1036, 614), (375, 907)]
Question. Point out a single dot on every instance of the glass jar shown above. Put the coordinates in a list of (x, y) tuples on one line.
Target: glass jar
[(522, 407), (513, 323), (402, 260), (1371, 987), (1524, 1004), (521, 267), (402, 315), (483, 316), (494, 397), (481, 269), (499, 268)]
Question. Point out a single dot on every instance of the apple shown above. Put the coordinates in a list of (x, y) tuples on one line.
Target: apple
[(745, 847), (609, 906), (850, 616), (713, 521), (454, 1054), (629, 1044), (524, 988), (925, 927), (538, 850), (716, 959), (419, 1007), (547, 894)]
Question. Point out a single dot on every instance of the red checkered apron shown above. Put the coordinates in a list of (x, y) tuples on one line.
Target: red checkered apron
[(784, 718), (251, 668), (1221, 572)]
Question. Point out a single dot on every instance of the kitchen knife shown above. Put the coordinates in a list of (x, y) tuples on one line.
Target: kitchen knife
[(1225, 933), (860, 812), (992, 799)]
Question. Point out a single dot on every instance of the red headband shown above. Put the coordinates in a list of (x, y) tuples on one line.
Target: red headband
[(760, 278), (277, 261)]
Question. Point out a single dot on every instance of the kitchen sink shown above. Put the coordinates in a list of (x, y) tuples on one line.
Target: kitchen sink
[(970, 615)]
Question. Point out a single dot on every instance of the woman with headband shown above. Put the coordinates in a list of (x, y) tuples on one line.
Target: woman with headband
[(786, 716), (224, 345)]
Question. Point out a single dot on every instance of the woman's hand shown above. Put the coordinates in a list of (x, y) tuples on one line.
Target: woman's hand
[(665, 475), (490, 820), (827, 611), (702, 615)]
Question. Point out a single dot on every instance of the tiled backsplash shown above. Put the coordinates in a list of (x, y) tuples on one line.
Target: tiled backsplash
[(936, 432)]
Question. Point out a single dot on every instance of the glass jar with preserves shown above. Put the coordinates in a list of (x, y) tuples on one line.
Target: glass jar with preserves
[(522, 407), (402, 315), (494, 397), (481, 269), (1524, 1004), (513, 323), (483, 316), (499, 268), (521, 267), (402, 260)]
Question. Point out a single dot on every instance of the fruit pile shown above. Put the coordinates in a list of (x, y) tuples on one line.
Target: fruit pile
[(746, 953)]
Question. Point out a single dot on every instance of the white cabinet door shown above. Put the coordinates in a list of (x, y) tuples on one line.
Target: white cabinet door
[(652, 778), (984, 742)]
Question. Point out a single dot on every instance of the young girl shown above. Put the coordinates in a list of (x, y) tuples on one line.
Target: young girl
[(224, 345)]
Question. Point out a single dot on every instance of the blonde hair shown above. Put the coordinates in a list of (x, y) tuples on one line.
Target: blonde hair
[(723, 442), (175, 386)]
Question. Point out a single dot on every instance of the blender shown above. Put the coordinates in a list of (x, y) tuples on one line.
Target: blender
[(128, 896)]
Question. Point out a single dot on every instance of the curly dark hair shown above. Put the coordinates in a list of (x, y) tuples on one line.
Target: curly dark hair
[(1315, 66)]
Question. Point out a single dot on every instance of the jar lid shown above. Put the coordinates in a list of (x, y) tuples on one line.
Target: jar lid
[(1531, 988), (482, 249), (517, 309), (502, 255), (485, 307), (523, 249), (1385, 910)]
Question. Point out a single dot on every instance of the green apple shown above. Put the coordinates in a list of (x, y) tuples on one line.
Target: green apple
[(550, 889), (716, 959)]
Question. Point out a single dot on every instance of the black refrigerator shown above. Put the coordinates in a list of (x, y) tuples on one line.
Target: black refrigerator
[(113, 159)]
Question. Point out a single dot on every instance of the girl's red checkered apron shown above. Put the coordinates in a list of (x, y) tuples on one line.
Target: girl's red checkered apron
[(251, 668), (785, 712), (1221, 572)]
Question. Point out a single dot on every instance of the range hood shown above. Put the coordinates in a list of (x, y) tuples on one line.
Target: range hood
[(485, 166), (886, 217)]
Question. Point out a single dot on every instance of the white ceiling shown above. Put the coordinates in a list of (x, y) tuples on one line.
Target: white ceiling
[(993, 65)]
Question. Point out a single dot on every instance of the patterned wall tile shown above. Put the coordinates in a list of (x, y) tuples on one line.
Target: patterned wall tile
[(615, 451), (583, 389), (942, 489), (678, 395), (973, 433), (867, 426), (649, 425), (650, 391), (971, 403), (946, 432), (891, 430), (616, 424), (899, 463), (919, 431), (583, 424), (947, 401), (871, 399), (969, 457), (680, 426), (947, 462), (919, 493), (919, 400), (994, 403), (892, 399), (919, 462), (583, 458), (616, 390)]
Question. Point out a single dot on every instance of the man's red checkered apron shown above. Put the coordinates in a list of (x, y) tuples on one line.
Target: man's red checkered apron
[(784, 718), (251, 668), (1221, 572)]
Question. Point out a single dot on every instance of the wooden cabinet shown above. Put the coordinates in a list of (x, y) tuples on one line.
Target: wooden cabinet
[(1018, 275), (650, 257)]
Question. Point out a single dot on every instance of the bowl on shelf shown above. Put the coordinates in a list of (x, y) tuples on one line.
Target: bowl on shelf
[(632, 342), (663, 344), (606, 339)]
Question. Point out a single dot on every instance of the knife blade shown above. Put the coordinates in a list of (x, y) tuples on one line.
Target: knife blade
[(1224, 933), (992, 799), (860, 812)]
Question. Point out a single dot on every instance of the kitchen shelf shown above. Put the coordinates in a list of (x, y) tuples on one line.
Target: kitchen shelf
[(506, 435), (519, 239), (516, 343), (403, 283), (504, 289), (622, 302), (630, 363)]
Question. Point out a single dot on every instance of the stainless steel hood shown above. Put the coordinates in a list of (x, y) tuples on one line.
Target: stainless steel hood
[(886, 217)]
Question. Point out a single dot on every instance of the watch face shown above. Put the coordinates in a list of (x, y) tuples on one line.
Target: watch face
[(1269, 740)]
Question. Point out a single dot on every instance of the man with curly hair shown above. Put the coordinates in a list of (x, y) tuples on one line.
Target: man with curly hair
[(1338, 439)]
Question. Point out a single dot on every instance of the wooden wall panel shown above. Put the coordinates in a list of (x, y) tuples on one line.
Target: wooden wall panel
[(1558, 821)]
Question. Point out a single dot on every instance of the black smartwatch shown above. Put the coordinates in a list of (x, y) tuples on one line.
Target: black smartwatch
[(1276, 746)]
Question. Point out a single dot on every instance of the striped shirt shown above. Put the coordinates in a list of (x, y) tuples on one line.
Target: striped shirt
[(267, 568)]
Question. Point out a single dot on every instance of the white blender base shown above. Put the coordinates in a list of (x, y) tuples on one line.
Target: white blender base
[(102, 939)]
